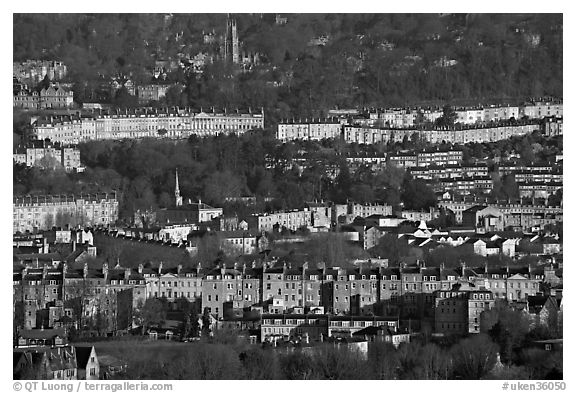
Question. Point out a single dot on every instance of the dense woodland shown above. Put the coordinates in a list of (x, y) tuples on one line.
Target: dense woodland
[(367, 59), (211, 169)]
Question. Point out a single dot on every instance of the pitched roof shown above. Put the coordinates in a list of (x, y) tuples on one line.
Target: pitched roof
[(83, 355), (42, 333)]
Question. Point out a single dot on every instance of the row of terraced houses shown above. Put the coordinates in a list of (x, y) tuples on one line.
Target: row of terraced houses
[(144, 123), (393, 124), (54, 295)]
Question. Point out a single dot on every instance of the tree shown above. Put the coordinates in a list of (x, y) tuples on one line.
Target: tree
[(123, 99), (258, 364), (390, 247), (418, 195), (343, 185), (151, 312), (206, 322), (45, 84), (382, 360), (297, 366), (49, 162), (507, 327), (474, 356), (448, 118)]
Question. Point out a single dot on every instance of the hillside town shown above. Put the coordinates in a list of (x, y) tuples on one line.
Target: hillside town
[(145, 220)]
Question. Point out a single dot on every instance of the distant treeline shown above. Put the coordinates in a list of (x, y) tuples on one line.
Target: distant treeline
[(365, 60)]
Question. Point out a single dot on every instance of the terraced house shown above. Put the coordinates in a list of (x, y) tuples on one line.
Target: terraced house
[(48, 296)]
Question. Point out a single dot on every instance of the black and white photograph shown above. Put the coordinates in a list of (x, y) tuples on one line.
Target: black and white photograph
[(287, 196)]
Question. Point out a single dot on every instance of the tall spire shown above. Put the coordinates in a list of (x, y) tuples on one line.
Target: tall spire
[(177, 192)]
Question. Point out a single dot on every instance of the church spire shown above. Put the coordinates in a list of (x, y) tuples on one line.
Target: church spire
[(177, 192)]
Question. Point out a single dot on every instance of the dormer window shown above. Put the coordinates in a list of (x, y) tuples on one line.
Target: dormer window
[(451, 278), (394, 278)]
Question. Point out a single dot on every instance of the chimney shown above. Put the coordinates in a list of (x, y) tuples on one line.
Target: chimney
[(140, 268), (485, 267), (235, 265), (44, 272), (198, 267), (253, 264), (244, 269), (126, 274), (85, 271), (105, 271), (160, 268), (45, 246), (223, 269), (179, 268), (73, 245)]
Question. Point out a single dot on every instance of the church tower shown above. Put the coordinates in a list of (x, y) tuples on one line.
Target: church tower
[(231, 44), (177, 192)]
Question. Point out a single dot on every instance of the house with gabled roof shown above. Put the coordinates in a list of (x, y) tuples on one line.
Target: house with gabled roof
[(46, 363), (543, 311), (41, 337), (87, 363), (483, 218)]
